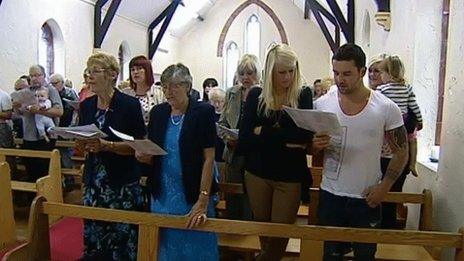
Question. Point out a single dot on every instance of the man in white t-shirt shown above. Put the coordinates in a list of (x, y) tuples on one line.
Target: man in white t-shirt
[(352, 188)]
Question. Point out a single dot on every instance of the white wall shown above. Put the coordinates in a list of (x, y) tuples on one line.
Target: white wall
[(416, 37), (198, 48), (21, 21)]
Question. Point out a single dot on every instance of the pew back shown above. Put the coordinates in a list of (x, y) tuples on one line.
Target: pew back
[(312, 237), (48, 186), (7, 222)]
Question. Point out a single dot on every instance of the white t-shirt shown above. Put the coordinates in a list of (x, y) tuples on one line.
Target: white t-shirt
[(352, 162), (5, 103)]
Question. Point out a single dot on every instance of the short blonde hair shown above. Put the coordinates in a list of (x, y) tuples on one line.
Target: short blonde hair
[(107, 61), (326, 83), (377, 59), (395, 68), (217, 93), (281, 54), (247, 63)]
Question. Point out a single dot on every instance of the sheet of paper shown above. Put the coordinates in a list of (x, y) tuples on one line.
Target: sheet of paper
[(313, 120), (25, 97), (142, 146), (121, 135), (333, 155), (74, 104), (146, 146), (232, 133), (78, 132)]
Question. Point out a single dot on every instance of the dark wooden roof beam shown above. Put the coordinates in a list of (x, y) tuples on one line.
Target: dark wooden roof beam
[(101, 28), (166, 15)]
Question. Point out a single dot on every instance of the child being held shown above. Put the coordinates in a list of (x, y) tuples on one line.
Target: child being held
[(43, 123), (395, 88)]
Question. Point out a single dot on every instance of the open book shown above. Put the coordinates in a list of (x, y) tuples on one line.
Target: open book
[(24, 96), (78, 132), (142, 146), (221, 131)]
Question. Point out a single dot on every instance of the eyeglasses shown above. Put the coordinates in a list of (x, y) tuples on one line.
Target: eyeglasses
[(172, 86), (55, 83), (89, 72), (35, 75)]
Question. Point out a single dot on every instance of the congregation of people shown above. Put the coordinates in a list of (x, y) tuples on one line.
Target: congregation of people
[(370, 155)]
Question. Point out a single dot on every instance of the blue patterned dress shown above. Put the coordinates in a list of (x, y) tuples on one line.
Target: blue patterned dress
[(105, 240), (177, 244)]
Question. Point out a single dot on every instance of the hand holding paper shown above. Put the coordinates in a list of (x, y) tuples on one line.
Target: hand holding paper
[(231, 133), (144, 146), (313, 120), (78, 132)]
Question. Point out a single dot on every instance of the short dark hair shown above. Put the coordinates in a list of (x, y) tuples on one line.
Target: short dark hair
[(26, 77), (317, 81), (351, 52), (210, 82)]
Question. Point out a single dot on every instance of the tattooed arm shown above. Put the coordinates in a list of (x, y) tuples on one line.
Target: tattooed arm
[(398, 141)]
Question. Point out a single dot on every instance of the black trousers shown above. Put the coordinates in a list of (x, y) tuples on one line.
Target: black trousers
[(389, 220), (36, 167)]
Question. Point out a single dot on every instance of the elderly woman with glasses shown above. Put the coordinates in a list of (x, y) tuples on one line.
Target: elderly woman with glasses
[(111, 175), (248, 75), (181, 181)]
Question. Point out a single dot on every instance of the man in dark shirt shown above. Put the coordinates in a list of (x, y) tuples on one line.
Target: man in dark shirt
[(67, 95)]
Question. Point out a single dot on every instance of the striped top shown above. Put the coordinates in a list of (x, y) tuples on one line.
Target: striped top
[(403, 96)]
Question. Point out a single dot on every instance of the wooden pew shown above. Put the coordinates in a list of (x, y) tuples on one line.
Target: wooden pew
[(63, 144), (312, 237), (251, 243), (48, 186), (7, 222)]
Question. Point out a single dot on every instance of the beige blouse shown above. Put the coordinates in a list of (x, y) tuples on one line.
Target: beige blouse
[(154, 96)]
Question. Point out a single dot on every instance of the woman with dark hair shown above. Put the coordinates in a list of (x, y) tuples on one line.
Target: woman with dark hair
[(208, 84), (180, 182), (142, 85)]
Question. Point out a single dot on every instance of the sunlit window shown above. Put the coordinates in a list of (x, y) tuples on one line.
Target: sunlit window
[(46, 50), (232, 57), (253, 36)]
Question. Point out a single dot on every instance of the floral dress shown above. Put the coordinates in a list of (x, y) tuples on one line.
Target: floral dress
[(106, 240)]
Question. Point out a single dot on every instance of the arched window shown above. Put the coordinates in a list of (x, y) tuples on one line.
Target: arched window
[(51, 51), (253, 36), (46, 49), (231, 61), (123, 57)]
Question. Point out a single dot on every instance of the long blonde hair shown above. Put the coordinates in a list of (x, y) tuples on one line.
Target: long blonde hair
[(283, 55)]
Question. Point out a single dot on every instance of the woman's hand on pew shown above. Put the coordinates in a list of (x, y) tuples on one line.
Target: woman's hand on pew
[(375, 194), (321, 141), (197, 215)]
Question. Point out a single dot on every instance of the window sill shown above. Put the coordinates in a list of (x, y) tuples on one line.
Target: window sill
[(433, 166)]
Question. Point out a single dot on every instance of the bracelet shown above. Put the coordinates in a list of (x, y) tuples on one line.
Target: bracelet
[(204, 192)]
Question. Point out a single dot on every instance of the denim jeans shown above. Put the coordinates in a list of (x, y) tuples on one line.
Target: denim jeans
[(341, 211)]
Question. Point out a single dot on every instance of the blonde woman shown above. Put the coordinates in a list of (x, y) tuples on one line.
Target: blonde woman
[(274, 147), (111, 175), (392, 75), (374, 71), (248, 75)]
